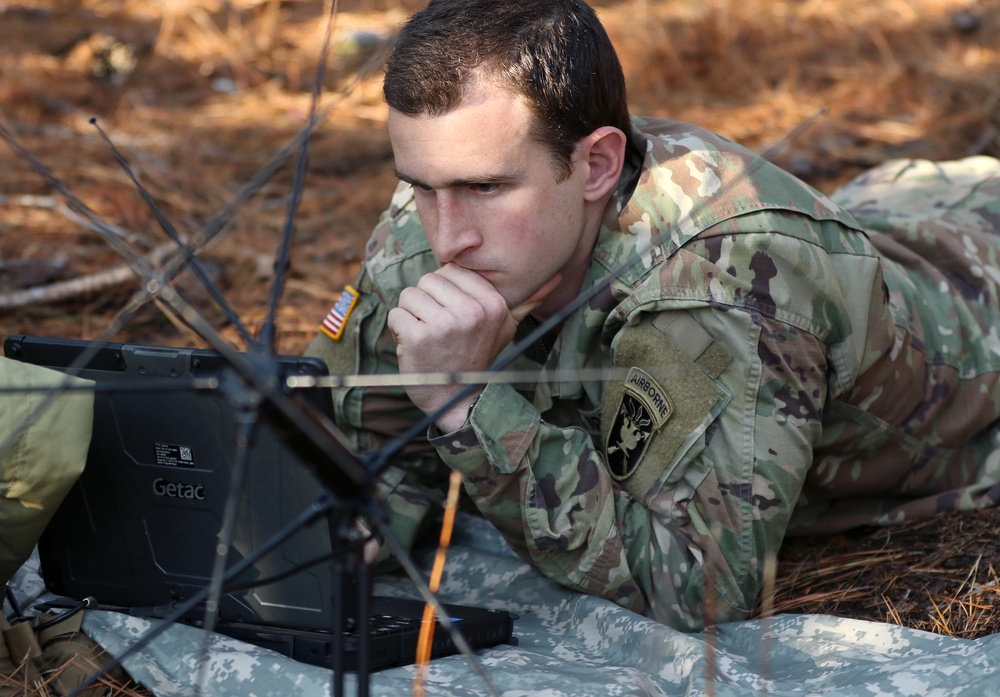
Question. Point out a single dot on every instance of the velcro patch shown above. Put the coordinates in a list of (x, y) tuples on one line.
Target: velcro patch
[(645, 430), (644, 408), (333, 324)]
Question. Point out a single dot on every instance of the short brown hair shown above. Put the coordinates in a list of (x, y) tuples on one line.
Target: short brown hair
[(554, 53)]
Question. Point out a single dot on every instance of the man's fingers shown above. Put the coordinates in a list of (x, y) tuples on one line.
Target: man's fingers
[(403, 325), (418, 302), (468, 297), (441, 288), (371, 545), (461, 279)]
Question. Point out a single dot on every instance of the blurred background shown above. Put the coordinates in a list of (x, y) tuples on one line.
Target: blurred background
[(199, 95)]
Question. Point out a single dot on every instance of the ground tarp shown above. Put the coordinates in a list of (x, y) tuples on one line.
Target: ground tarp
[(575, 645)]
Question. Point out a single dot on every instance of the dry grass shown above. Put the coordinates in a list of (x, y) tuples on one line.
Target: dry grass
[(892, 78), (199, 94), (203, 97), (938, 575), (20, 683)]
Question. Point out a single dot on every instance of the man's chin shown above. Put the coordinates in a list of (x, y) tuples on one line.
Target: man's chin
[(526, 304)]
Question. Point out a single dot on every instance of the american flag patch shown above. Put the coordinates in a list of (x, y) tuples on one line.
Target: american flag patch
[(333, 325)]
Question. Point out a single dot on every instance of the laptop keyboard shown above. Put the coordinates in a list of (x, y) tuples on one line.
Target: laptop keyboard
[(384, 625)]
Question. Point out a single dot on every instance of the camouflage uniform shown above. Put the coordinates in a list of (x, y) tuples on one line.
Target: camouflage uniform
[(774, 359)]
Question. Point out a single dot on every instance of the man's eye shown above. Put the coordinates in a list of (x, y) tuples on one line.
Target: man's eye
[(485, 188)]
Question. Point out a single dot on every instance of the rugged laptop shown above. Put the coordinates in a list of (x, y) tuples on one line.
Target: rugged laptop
[(139, 530)]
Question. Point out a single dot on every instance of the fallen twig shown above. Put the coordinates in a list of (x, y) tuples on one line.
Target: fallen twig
[(82, 285)]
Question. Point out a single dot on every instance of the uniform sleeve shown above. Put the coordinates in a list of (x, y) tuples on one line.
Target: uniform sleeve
[(675, 510), (410, 487)]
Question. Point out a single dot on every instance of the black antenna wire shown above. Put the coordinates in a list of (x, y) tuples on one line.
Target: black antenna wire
[(189, 259), (281, 263)]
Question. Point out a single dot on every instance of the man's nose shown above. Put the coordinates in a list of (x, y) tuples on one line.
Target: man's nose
[(455, 232)]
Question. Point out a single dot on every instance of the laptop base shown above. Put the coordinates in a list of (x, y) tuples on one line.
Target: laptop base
[(393, 631)]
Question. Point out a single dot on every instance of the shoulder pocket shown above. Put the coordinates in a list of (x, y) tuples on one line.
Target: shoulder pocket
[(668, 399)]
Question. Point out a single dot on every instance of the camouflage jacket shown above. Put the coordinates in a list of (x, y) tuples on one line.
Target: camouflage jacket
[(765, 357)]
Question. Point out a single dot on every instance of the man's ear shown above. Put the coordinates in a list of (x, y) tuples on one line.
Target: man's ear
[(603, 151)]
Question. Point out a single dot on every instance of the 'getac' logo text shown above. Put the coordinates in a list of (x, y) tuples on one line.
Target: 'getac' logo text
[(177, 490)]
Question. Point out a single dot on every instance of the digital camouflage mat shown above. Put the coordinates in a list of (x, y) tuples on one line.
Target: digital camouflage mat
[(574, 645)]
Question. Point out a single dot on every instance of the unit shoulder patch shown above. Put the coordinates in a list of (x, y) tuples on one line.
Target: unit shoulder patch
[(643, 410)]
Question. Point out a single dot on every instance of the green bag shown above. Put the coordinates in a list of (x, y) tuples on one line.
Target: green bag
[(44, 439)]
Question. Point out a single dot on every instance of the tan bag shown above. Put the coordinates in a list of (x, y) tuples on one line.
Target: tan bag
[(44, 657)]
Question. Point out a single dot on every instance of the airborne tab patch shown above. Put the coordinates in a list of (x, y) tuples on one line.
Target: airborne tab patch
[(644, 408), (333, 325)]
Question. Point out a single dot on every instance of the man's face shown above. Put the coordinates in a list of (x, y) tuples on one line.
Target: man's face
[(490, 198)]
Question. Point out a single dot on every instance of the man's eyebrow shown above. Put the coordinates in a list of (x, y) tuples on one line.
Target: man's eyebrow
[(461, 181)]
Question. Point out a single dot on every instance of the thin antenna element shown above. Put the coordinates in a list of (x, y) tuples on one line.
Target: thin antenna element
[(268, 330), (192, 262)]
